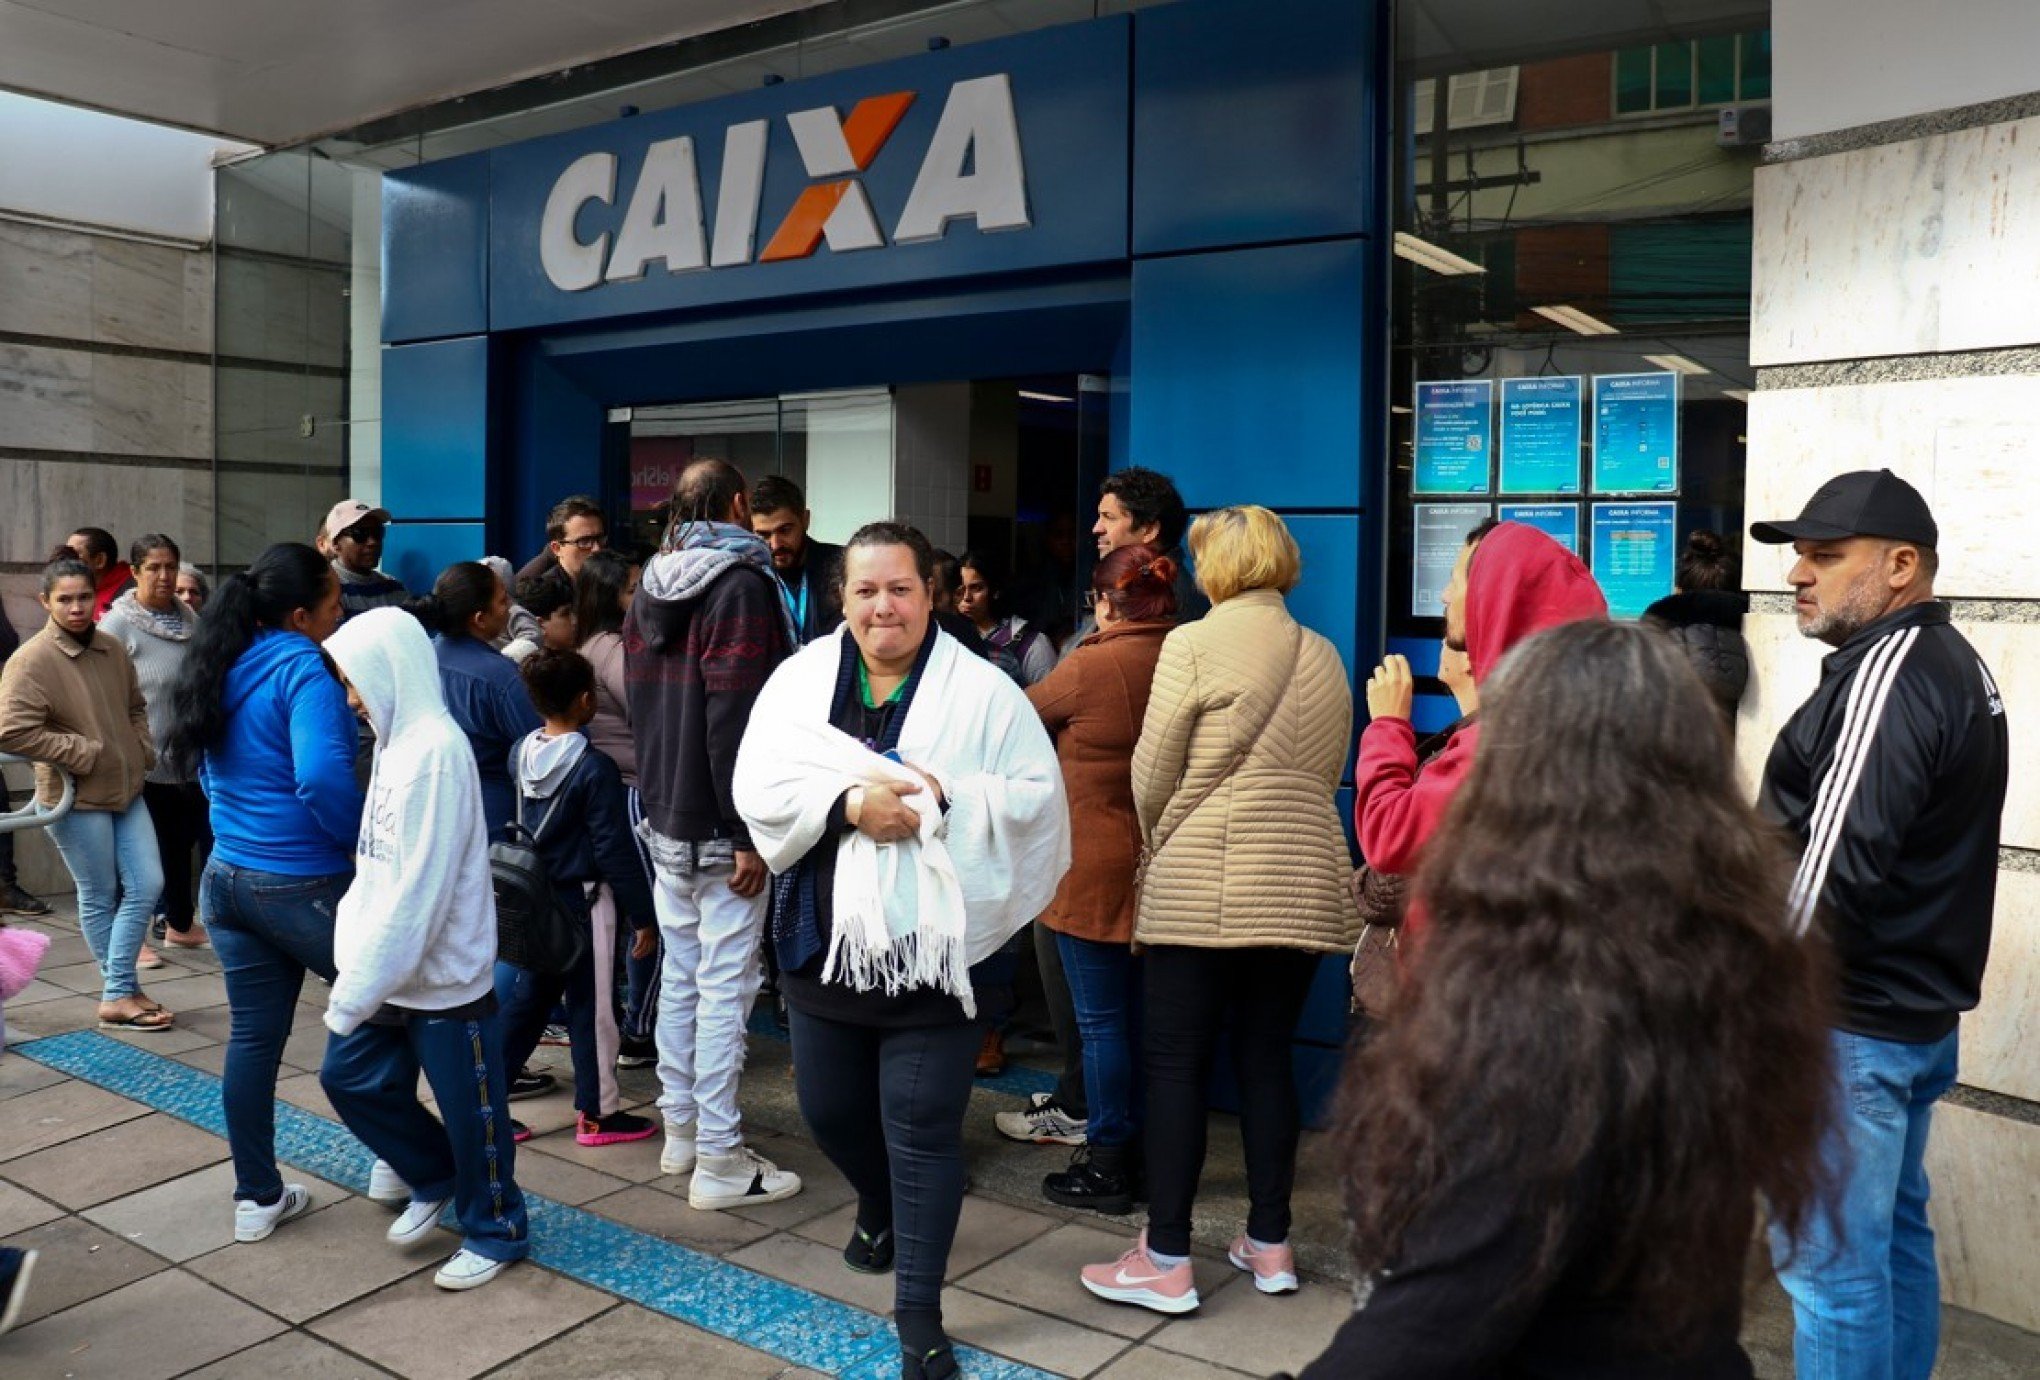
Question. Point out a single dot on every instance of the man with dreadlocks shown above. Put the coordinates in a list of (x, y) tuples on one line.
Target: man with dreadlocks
[(703, 635)]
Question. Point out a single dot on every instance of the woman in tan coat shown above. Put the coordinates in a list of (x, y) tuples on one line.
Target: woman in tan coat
[(1246, 888), (70, 697), (1093, 704)]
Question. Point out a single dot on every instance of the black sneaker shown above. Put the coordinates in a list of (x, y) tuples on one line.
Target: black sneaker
[(15, 901), (636, 1054), (15, 1268), (1098, 1180), (524, 1083)]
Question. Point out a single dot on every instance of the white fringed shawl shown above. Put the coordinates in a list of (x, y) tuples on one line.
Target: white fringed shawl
[(916, 913)]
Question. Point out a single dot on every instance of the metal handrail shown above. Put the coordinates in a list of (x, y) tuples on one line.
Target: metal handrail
[(35, 815)]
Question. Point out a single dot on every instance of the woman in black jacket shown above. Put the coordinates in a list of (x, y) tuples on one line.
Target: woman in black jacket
[(1607, 1047), (1705, 613)]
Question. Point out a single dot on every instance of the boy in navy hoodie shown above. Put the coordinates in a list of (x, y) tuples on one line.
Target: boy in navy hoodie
[(571, 798)]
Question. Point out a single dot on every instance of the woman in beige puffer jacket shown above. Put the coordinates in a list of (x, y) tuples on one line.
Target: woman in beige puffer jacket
[(1234, 777)]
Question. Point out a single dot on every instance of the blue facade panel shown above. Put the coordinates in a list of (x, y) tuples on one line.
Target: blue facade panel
[(1328, 600), (415, 552), (438, 285), (1256, 123), (1248, 371), (436, 413)]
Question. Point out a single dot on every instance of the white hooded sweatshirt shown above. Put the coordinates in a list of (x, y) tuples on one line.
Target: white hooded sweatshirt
[(417, 930)]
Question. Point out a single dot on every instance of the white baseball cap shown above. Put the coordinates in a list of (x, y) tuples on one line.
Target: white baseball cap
[(346, 513)]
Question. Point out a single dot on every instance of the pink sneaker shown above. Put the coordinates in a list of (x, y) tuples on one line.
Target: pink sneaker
[(1273, 1267), (1135, 1278)]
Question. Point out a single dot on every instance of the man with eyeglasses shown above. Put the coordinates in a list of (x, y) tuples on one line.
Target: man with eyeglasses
[(575, 529), (352, 539)]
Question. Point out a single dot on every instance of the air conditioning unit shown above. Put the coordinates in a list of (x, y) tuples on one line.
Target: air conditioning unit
[(1744, 125)]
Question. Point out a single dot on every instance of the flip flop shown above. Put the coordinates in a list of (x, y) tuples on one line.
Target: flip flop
[(153, 1019)]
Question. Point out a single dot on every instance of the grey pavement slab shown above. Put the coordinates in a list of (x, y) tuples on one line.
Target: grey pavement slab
[(818, 1269), (1042, 1275), (1020, 1334), (194, 1214), (318, 1262), (563, 1182), (20, 1209), (20, 1074), (58, 1113), (666, 1215), (1146, 1363), (985, 1231), (78, 1261), (421, 1331), (160, 1327), (117, 1161), (632, 1343), (291, 1356), (1241, 1327)]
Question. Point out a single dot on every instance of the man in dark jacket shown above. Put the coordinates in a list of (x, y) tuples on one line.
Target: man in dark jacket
[(705, 631), (1892, 777), (807, 570)]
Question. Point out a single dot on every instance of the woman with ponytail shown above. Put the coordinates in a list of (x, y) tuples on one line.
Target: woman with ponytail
[(466, 612), (257, 711)]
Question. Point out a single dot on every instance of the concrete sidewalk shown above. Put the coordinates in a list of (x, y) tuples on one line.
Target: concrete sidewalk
[(111, 1167)]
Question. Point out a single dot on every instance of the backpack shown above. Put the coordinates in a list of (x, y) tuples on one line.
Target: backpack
[(533, 930)]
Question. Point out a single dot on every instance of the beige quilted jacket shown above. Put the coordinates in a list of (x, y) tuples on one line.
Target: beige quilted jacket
[(1262, 859)]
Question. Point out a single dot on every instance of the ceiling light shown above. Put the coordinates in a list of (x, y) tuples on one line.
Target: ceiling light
[(1428, 255), (1678, 364), (1573, 319), (1045, 397), (1741, 395), (1399, 410)]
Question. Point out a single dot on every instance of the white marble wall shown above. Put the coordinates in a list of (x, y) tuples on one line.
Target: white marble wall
[(931, 460), (1985, 1172), (73, 286)]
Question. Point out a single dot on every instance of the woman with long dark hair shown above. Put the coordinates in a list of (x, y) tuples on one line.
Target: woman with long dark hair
[(257, 712), (1022, 651), (466, 611), (1609, 1046)]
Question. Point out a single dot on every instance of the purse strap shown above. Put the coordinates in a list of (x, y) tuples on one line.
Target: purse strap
[(1240, 758)]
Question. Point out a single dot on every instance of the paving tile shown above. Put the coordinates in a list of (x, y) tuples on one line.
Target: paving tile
[(317, 1263), (1248, 1330), (823, 1189), (632, 1343), (549, 1176), (20, 1209), (547, 1114), (50, 1018), (162, 1326), (1042, 1275), (636, 1161), (20, 1074), (176, 1040), (209, 1058), (304, 1090), (817, 1268), (78, 1262), (667, 1216), (213, 1022), (986, 1231), (468, 1332), (306, 1048), (1023, 1335), (83, 976), (61, 1112), (117, 1161), (192, 1215), (1145, 1363), (38, 990), (187, 991), (67, 946), (294, 1355)]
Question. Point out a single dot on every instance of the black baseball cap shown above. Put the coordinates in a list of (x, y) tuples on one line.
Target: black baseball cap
[(1861, 503)]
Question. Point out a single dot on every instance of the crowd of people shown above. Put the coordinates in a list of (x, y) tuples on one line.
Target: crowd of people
[(1626, 1012)]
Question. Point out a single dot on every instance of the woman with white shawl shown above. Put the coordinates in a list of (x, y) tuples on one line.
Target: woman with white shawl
[(910, 807)]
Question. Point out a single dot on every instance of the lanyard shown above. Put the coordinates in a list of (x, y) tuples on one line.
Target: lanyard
[(798, 608)]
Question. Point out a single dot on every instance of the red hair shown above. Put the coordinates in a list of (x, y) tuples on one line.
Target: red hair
[(1139, 581)]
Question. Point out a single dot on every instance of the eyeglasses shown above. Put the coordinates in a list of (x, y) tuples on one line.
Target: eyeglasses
[(594, 543)]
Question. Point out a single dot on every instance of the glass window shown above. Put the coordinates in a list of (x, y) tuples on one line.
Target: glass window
[(1717, 70), (1672, 83), (1756, 66), (1632, 81)]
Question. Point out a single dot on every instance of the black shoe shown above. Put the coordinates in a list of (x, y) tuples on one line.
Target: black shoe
[(1098, 1180), (636, 1054), (15, 901), (936, 1364), (868, 1254), (524, 1083)]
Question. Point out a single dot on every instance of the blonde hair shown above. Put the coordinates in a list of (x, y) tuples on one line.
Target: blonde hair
[(1241, 548)]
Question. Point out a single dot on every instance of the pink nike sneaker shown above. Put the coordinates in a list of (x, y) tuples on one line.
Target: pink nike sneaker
[(1135, 1278), (1273, 1267)]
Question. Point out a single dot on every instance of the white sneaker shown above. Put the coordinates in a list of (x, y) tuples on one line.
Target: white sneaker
[(416, 1222), (742, 1178), (678, 1156), (1043, 1123), (253, 1222), (467, 1270), (385, 1187)]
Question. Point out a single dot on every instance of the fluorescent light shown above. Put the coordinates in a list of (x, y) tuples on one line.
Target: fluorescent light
[(1045, 397), (1741, 395), (1573, 319), (1428, 255), (1399, 410), (1678, 364)]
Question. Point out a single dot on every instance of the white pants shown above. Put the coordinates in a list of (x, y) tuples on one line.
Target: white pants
[(707, 984)]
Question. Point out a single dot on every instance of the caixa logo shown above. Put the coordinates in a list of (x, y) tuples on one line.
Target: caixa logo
[(972, 169)]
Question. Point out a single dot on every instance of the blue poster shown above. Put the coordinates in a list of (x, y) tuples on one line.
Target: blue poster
[(1636, 433), (1634, 547), (1541, 436), (1440, 536), (1559, 521), (1454, 427)]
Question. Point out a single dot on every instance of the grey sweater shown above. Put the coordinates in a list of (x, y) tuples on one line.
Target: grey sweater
[(157, 654)]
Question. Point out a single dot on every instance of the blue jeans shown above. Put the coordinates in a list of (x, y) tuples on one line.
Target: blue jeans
[(112, 856), (1866, 1296), (640, 987), (371, 1077), (1104, 984), (269, 929), (524, 1001)]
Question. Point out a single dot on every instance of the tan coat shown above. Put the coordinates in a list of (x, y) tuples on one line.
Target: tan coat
[(81, 708), (1262, 859)]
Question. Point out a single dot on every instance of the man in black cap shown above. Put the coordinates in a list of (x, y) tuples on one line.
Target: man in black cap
[(1892, 777)]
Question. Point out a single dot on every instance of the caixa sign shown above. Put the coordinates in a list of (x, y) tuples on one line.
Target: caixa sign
[(972, 169)]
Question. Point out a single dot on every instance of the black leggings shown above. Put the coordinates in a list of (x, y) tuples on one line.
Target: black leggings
[(179, 812), (886, 1106), (1193, 996)]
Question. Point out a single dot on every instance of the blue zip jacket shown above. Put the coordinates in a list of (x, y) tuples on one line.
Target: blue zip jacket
[(281, 779), (488, 700)]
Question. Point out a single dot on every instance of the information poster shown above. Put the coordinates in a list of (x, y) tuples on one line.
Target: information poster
[(1634, 547), (1541, 435), (1441, 533), (1559, 521), (1636, 433), (1455, 423)]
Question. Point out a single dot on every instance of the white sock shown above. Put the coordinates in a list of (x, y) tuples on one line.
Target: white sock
[(1254, 1245), (1167, 1262)]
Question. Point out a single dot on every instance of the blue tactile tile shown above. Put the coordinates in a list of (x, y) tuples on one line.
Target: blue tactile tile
[(1019, 1080), (757, 1311)]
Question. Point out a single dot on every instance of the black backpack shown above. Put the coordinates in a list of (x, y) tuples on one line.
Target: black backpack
[(533, 930)]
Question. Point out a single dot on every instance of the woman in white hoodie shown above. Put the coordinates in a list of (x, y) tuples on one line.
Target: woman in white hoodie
[(415, 946)]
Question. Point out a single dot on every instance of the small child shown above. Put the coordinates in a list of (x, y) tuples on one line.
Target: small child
[(550, 602), (414, 940), (572, 800)]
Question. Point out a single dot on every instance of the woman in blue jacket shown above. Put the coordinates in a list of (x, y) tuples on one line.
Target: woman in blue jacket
[(466, 612), (257, 710)]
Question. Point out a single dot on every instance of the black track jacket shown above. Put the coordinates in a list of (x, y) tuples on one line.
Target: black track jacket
[(1892, 777)]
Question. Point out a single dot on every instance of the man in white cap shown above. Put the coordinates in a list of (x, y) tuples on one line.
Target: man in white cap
[(352, 538)]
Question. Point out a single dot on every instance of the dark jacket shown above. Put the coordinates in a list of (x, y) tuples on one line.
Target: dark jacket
[(1892, 777), (587, 838), (488, 700), (811, 594), (1708, 626), (696, 654)]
